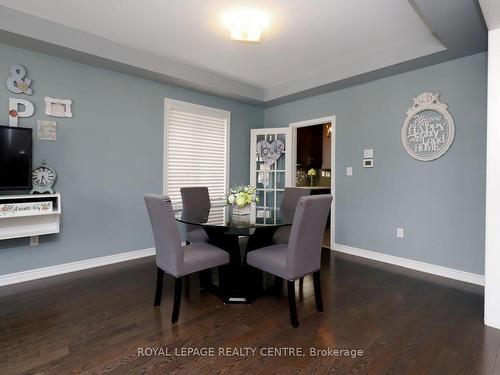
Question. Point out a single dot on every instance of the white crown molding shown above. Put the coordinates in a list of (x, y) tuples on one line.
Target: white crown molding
[(28, 31), (40, 273), (416, 265), (491, 13), (31, 32), (427, 45)]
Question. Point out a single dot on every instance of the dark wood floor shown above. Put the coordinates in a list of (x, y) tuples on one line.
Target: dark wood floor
[(93, 322)]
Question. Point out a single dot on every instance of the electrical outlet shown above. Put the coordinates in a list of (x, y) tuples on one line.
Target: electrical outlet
[(348, 171), (400, 233)]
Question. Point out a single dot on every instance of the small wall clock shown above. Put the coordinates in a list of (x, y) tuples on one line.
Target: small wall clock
[(43, 179)]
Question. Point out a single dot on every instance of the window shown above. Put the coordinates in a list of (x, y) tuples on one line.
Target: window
[(196, 150)]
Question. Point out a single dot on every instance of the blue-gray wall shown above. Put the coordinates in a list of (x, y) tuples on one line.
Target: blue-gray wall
[(441, 204), (107, 156), (110, 154)]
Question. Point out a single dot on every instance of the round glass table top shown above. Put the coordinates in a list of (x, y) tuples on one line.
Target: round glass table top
[(222, 216)]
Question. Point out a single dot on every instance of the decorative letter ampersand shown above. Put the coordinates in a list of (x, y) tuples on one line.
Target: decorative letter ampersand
[(17, 83)]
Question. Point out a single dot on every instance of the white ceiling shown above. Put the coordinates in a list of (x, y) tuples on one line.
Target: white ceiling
[(310, 42), (491, 12)]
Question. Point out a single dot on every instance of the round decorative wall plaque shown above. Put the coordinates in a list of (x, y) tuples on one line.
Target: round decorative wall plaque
[(428, 130)]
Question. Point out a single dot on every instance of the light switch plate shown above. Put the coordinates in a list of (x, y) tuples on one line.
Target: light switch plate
[(400, 232), (368, 153), (348, 171)]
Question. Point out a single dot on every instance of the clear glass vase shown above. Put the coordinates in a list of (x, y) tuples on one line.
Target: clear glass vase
[(241, 211)]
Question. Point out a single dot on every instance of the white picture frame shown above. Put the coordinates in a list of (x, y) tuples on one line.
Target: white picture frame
[(58, 107)]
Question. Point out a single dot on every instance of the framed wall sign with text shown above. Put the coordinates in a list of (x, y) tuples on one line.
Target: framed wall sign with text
[(428, 130)]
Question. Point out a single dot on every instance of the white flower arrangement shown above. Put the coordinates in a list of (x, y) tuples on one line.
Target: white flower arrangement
[(241, 196)]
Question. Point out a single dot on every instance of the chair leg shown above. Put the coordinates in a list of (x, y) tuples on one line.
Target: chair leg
[(291, 304), (177, 299), (248, 281), (159, 286), (301, 288), (278, 286), (317, 291), (205, 279), (224, 282)]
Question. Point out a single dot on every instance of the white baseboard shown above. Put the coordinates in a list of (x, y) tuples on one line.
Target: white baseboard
[(413, 264), (39, 273), (495, 323)]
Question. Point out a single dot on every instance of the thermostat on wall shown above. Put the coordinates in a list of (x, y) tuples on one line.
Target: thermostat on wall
[(368, 153)]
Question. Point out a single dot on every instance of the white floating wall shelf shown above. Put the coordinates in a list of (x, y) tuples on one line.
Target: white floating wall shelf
[(30, 223)]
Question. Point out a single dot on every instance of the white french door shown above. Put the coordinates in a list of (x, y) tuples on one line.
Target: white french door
[(270, 168)]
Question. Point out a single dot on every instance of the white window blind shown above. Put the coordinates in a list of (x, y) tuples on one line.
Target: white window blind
[(197, 147)]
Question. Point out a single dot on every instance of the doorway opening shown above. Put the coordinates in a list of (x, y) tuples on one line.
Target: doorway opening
[(313, 161)]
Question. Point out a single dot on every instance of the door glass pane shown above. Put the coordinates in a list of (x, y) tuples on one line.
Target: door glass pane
[(280, 164), (260, 195), (279, 198), (270, 216), (271, 180), (280, 180), (272, 167), (265, 180), (270, 198), (263, 215), (260, 165)]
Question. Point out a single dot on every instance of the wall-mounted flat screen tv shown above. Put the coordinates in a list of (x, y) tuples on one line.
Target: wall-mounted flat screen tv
[(16, 146)]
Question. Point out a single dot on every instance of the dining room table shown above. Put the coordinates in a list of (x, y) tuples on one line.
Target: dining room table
[(238, 234)]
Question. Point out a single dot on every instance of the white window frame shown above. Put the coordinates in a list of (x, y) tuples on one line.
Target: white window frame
[(200, 109)]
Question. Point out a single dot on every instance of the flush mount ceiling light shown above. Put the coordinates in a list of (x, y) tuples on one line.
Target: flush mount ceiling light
[(246, 24)]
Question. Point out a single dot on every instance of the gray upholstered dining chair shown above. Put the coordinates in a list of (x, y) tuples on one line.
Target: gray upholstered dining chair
[(288, 205), (195, 205), (171, 256), (302, 255)]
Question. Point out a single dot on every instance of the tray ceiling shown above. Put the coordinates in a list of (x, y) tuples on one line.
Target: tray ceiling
[(309, 44)]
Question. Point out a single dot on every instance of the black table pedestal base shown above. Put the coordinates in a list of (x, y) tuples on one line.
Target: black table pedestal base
[(239, 283)]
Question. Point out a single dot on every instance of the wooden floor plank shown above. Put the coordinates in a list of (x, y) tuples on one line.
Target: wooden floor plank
[(94, 321)]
